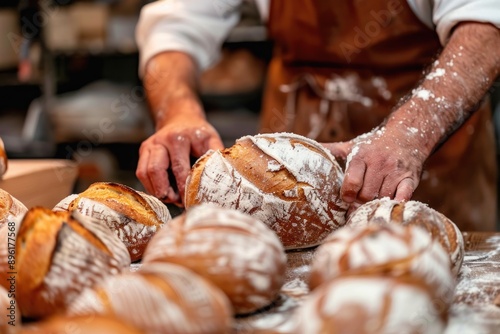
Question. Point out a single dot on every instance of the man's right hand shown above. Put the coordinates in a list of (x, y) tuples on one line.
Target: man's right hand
[(182, 130), (170, 148)]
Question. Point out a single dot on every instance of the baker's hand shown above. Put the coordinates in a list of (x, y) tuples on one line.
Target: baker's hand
[(383, 162), (170, 148)]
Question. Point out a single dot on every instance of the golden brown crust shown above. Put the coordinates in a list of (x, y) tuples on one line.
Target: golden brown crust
[(36, 242), (289, 182), (194, 179), (57, 256), (122, 199)]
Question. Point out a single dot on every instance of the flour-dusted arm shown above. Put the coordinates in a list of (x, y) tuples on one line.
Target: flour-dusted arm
[(388, 161)]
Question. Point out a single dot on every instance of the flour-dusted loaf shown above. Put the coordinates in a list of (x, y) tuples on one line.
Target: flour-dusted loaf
[(58, 254), (385, 249), (132, 215), (289, 182), (371, 304), (160, 298), (233, 250), (94, 324), (3, 159), (438, 225), (10, 208), (11, 317)]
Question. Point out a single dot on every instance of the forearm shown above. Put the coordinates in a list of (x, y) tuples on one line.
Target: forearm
[(170, 81), (454, 87)]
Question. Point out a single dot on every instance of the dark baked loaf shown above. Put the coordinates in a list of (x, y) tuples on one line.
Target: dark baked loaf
[(58, 254), (132, 215), (289, 182), (160, 298), (234, 251), (438, 225)]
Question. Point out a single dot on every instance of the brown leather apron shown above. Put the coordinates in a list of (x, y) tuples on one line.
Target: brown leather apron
[(338, 70)]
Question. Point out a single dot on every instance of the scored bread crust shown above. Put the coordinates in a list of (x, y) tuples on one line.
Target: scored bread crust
[(236, 252), (440, 227), (132, 215), (289, 182), (384, 249), (372, 304), (159, 298), (122, 199), (60, 253)]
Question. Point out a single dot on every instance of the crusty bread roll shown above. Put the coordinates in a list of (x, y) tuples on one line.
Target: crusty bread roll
[(236, 252), (3, 159), (94, 324), (10, 208), (385, 210), (289, 182), (11, 317), (371, 304), (58, 254), (133, 215), (387, 249), (159, 298)]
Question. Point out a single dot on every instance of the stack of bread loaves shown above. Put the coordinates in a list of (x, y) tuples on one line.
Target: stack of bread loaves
[(236, 252), (132, 215), (290, 182), (390, 277), (58, 254)]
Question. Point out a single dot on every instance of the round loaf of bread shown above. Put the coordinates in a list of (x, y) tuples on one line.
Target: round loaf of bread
[(132, 215), (11, 208), (159, 298), (11, 317), (387, 249), (371, 304), (289, 182), (236, 252), (441, 228), (58, 254), (95, 324), (3, 159)]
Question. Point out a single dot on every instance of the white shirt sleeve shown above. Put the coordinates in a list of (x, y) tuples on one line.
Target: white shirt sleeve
[(197, 27), (443, 15)]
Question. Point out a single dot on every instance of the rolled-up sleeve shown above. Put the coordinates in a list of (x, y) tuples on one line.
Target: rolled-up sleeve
[(197, 27), (443, 15)]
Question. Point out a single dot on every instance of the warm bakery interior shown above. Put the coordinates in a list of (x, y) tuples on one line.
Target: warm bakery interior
[(249, 166)]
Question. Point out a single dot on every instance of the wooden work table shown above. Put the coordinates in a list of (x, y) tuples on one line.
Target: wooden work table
[(473, 310)]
